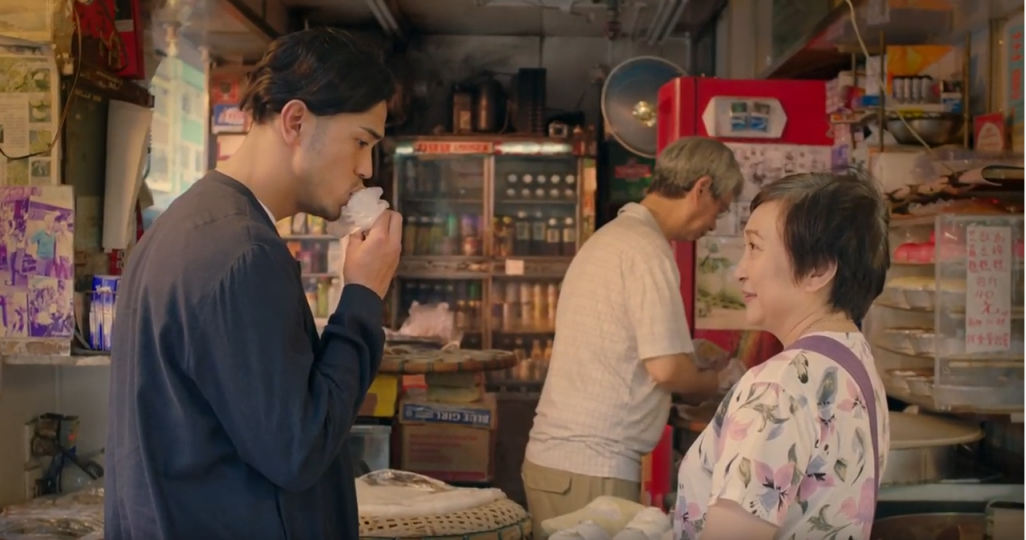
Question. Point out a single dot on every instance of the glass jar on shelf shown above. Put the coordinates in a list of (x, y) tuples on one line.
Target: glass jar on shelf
[(441, 197), (531, 201), (524, 306)]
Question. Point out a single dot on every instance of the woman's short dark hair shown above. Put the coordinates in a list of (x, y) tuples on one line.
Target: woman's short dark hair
[(835, 218), (324, 68)]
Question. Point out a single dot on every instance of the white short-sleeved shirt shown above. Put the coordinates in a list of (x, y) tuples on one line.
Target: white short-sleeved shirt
[(791, 444), (620, 303)]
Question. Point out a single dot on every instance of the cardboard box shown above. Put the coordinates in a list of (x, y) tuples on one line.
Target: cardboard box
[(989, 133), (382, 397), (450, 442)]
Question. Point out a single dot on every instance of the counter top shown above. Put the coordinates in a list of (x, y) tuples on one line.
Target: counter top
[(72, 360), (952, 492)]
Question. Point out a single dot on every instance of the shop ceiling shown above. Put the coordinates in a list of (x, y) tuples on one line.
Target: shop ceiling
[(237, 30)]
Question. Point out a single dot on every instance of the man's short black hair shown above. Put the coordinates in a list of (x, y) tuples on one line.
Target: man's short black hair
[(324, 68), (840, 219)]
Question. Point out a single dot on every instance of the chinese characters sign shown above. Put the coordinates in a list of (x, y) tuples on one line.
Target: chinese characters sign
[(988, 302), (452, 147)]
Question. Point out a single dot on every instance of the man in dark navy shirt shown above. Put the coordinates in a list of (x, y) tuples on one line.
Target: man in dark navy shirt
[(229, 415)]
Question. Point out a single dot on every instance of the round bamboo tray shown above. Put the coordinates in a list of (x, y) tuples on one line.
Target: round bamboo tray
[(498, 520), (404, 361)]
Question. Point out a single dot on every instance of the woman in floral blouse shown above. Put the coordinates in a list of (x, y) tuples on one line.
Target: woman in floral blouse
[(790, 452)]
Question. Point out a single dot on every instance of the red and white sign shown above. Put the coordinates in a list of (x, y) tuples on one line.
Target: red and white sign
[(632, 170), (989, 130), (452, 147), (988, 302)]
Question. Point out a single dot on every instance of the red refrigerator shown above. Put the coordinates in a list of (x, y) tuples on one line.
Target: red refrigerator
[(775, 128)]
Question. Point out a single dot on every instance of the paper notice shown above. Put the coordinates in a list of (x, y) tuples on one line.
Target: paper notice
[(988, 303), (14, 125), (29, 99), (128, 128), (514, 267)]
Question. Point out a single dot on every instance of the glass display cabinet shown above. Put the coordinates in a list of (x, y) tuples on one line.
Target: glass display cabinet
[(490, 227), (320, 256), (947, 331)]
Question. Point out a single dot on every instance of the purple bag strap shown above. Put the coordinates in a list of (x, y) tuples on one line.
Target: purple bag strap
[(844, 357)]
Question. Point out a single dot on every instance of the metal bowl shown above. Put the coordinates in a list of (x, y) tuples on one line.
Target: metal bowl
[(936, 129)]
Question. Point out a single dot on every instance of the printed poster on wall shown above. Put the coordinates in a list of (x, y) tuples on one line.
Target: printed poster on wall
[(37, 226), (718, 301), (763, 164), (29, 115)]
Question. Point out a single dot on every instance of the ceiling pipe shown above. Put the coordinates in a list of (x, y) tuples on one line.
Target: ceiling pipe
[(386, 12), (376, 10), (633, 28), (671, 22), (386, 19), (663, 22), (656, 19)]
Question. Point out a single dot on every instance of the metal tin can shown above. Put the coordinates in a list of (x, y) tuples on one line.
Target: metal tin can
[(900, 90), (915, 90)]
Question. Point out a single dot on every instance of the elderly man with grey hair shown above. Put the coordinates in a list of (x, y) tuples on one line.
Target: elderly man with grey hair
[(622, 342)]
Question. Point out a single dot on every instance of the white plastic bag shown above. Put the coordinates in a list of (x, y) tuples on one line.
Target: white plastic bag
[(434, 321), (610, 513), (363, 209), (649, 524), (403, 495), (585, 530)]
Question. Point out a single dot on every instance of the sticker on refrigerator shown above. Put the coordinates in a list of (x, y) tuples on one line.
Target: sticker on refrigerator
[(738, 117), (719, 303), (744, 118), (726, 223), (763, 164), (759, 120), (744, 212)]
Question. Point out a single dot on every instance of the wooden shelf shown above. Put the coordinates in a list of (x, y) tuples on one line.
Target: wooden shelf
[(926, 404), (827, 47), (56, 360)]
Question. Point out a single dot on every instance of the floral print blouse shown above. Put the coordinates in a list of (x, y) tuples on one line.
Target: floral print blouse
[(790, 443)]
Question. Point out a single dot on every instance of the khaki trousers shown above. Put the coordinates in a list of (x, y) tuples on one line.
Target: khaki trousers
[(553, 493)]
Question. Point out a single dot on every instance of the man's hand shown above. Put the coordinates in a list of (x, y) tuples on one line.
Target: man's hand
[(371, 259), (709, 356)]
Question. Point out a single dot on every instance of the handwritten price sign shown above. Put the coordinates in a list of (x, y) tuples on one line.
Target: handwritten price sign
[(988, 302)]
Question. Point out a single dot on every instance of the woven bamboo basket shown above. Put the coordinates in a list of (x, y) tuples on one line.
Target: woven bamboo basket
[(498, 520), (403, 361)]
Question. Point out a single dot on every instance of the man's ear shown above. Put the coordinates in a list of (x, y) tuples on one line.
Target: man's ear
[(700, 187), (290, 122)]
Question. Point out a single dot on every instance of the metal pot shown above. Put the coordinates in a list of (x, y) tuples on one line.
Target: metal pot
[(930, 527), (936, 129), (921, 465), (925, 448)]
